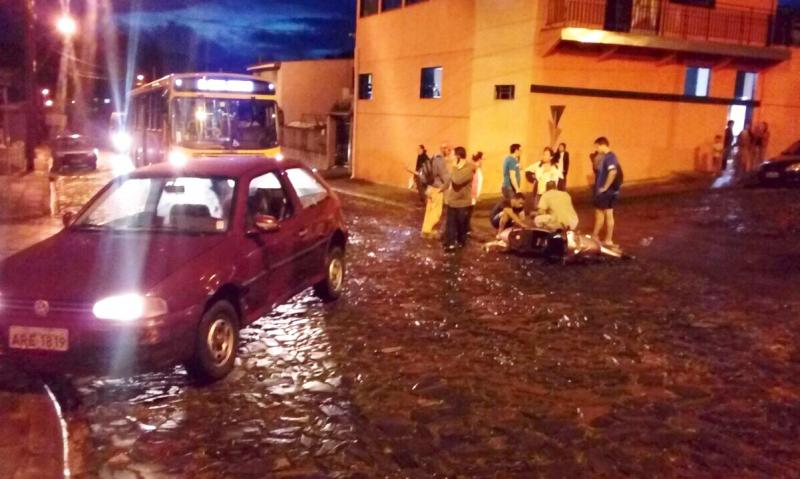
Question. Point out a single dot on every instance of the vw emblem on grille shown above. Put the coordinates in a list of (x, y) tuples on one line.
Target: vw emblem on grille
[(41, 308)]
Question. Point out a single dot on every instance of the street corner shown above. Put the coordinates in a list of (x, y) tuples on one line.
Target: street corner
[(32, 437)]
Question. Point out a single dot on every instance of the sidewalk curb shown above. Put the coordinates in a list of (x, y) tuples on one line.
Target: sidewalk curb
[(34, 438), (374, 198)]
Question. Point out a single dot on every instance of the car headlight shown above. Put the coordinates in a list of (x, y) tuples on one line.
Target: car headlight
[(129, 307), (121, 141), (178, 158), (793, 168)]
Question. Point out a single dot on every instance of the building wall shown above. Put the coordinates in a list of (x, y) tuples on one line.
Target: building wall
[(312, 87), (781, 105), (394, 46), (502, 42)]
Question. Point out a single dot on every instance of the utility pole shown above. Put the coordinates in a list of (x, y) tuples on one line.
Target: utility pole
[(32, 116)]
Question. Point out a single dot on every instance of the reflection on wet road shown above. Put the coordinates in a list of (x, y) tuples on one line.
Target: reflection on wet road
[(475, 365)]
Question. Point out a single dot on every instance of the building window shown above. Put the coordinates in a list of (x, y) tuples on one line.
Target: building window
[(504, 92), (697, 81), (365, 86), (745, 85), (369, 7), (391, 4), (431, 83)]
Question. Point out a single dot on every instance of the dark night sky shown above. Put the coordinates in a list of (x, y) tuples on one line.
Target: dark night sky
[(240, 32)]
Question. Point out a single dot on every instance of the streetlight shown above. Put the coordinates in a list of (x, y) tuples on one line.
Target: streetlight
[(66, 25), (45, 91)]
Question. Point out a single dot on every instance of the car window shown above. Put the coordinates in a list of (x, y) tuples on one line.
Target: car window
[(182, 205), (127, 200), (308, 189), (266, 196)]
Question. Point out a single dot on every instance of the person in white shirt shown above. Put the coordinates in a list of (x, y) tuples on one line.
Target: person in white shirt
[(477, 181), (556, 210), (543, 172)]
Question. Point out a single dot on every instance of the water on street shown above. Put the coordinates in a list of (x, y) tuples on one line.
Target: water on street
[(682, 363)]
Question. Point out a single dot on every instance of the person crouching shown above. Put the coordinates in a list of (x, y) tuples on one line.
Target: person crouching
[(556, 210), (458, 198)]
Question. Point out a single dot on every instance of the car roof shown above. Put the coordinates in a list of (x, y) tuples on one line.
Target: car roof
[(224, 166)]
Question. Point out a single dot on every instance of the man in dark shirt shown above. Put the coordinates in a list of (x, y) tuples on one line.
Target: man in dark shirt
[(728, 144), (608, 180), (509, 213)]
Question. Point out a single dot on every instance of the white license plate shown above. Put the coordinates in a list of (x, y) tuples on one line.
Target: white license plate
[(772, 174), (43, 339)]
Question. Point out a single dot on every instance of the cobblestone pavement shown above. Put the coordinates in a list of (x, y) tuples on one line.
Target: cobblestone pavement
[(31, 441), (477, 365), (481, 365)]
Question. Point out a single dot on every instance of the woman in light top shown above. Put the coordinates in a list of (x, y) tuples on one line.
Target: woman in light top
[(542, 172)]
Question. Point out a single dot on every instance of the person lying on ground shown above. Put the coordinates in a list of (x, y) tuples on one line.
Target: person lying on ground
[(556, 210), (509, 213)]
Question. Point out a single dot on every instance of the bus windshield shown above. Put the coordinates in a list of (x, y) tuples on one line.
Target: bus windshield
[(222, 123)]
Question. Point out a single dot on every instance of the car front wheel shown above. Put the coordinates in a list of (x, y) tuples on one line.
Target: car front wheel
[(216, 344), (330, 288)]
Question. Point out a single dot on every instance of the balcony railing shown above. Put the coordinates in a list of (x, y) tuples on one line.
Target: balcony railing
[(729, 24)]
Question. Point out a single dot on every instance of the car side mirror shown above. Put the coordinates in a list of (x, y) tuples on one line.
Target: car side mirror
[(68, 218), (266, 223)]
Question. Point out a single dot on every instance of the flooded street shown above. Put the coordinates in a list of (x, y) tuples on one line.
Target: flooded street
[(678, 364)]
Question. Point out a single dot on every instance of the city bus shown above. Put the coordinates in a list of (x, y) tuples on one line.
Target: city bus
[(184, 116)]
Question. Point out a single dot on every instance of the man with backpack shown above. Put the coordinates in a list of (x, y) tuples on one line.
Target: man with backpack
[(607, 184), (435, 176)]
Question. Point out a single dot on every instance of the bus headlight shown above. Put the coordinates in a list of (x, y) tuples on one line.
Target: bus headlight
[(121, 141), (178, 158), (279, 156)]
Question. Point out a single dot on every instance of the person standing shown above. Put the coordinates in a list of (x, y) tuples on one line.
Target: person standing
[(745, 151), (608, 180), (422, 172), (562, 160), (717, 153), (435, 192), (511, 173), (727, 145), (477, 182), (541, 173), (458, 197)]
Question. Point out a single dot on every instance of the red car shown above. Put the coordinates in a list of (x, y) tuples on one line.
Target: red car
[(165, 265)]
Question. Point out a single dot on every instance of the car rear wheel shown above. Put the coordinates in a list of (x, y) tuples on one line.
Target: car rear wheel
[(330, 288), (216, 345)]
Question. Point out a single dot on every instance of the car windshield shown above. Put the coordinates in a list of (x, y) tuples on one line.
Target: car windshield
[(65, 142), (183, 204), (793, 150), (220, 123)]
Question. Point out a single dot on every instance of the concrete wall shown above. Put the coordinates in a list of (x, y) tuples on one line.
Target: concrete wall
[(780, 87), (394, 47), (483, 43), (310, 87)]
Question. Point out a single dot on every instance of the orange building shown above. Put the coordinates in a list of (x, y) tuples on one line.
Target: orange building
[(659, 78)]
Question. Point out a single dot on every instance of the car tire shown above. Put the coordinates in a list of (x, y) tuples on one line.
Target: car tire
[(330, 288), (216, 344)]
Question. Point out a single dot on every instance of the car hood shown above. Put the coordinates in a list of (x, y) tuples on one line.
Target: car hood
[(78, 266)]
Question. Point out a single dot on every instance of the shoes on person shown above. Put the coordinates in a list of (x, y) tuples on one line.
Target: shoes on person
[(449, 248)]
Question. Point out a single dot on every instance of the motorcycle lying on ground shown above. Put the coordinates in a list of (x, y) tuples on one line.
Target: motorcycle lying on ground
[(557, 246)]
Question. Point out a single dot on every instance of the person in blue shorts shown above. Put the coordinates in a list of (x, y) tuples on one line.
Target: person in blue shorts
[(607, 184)]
